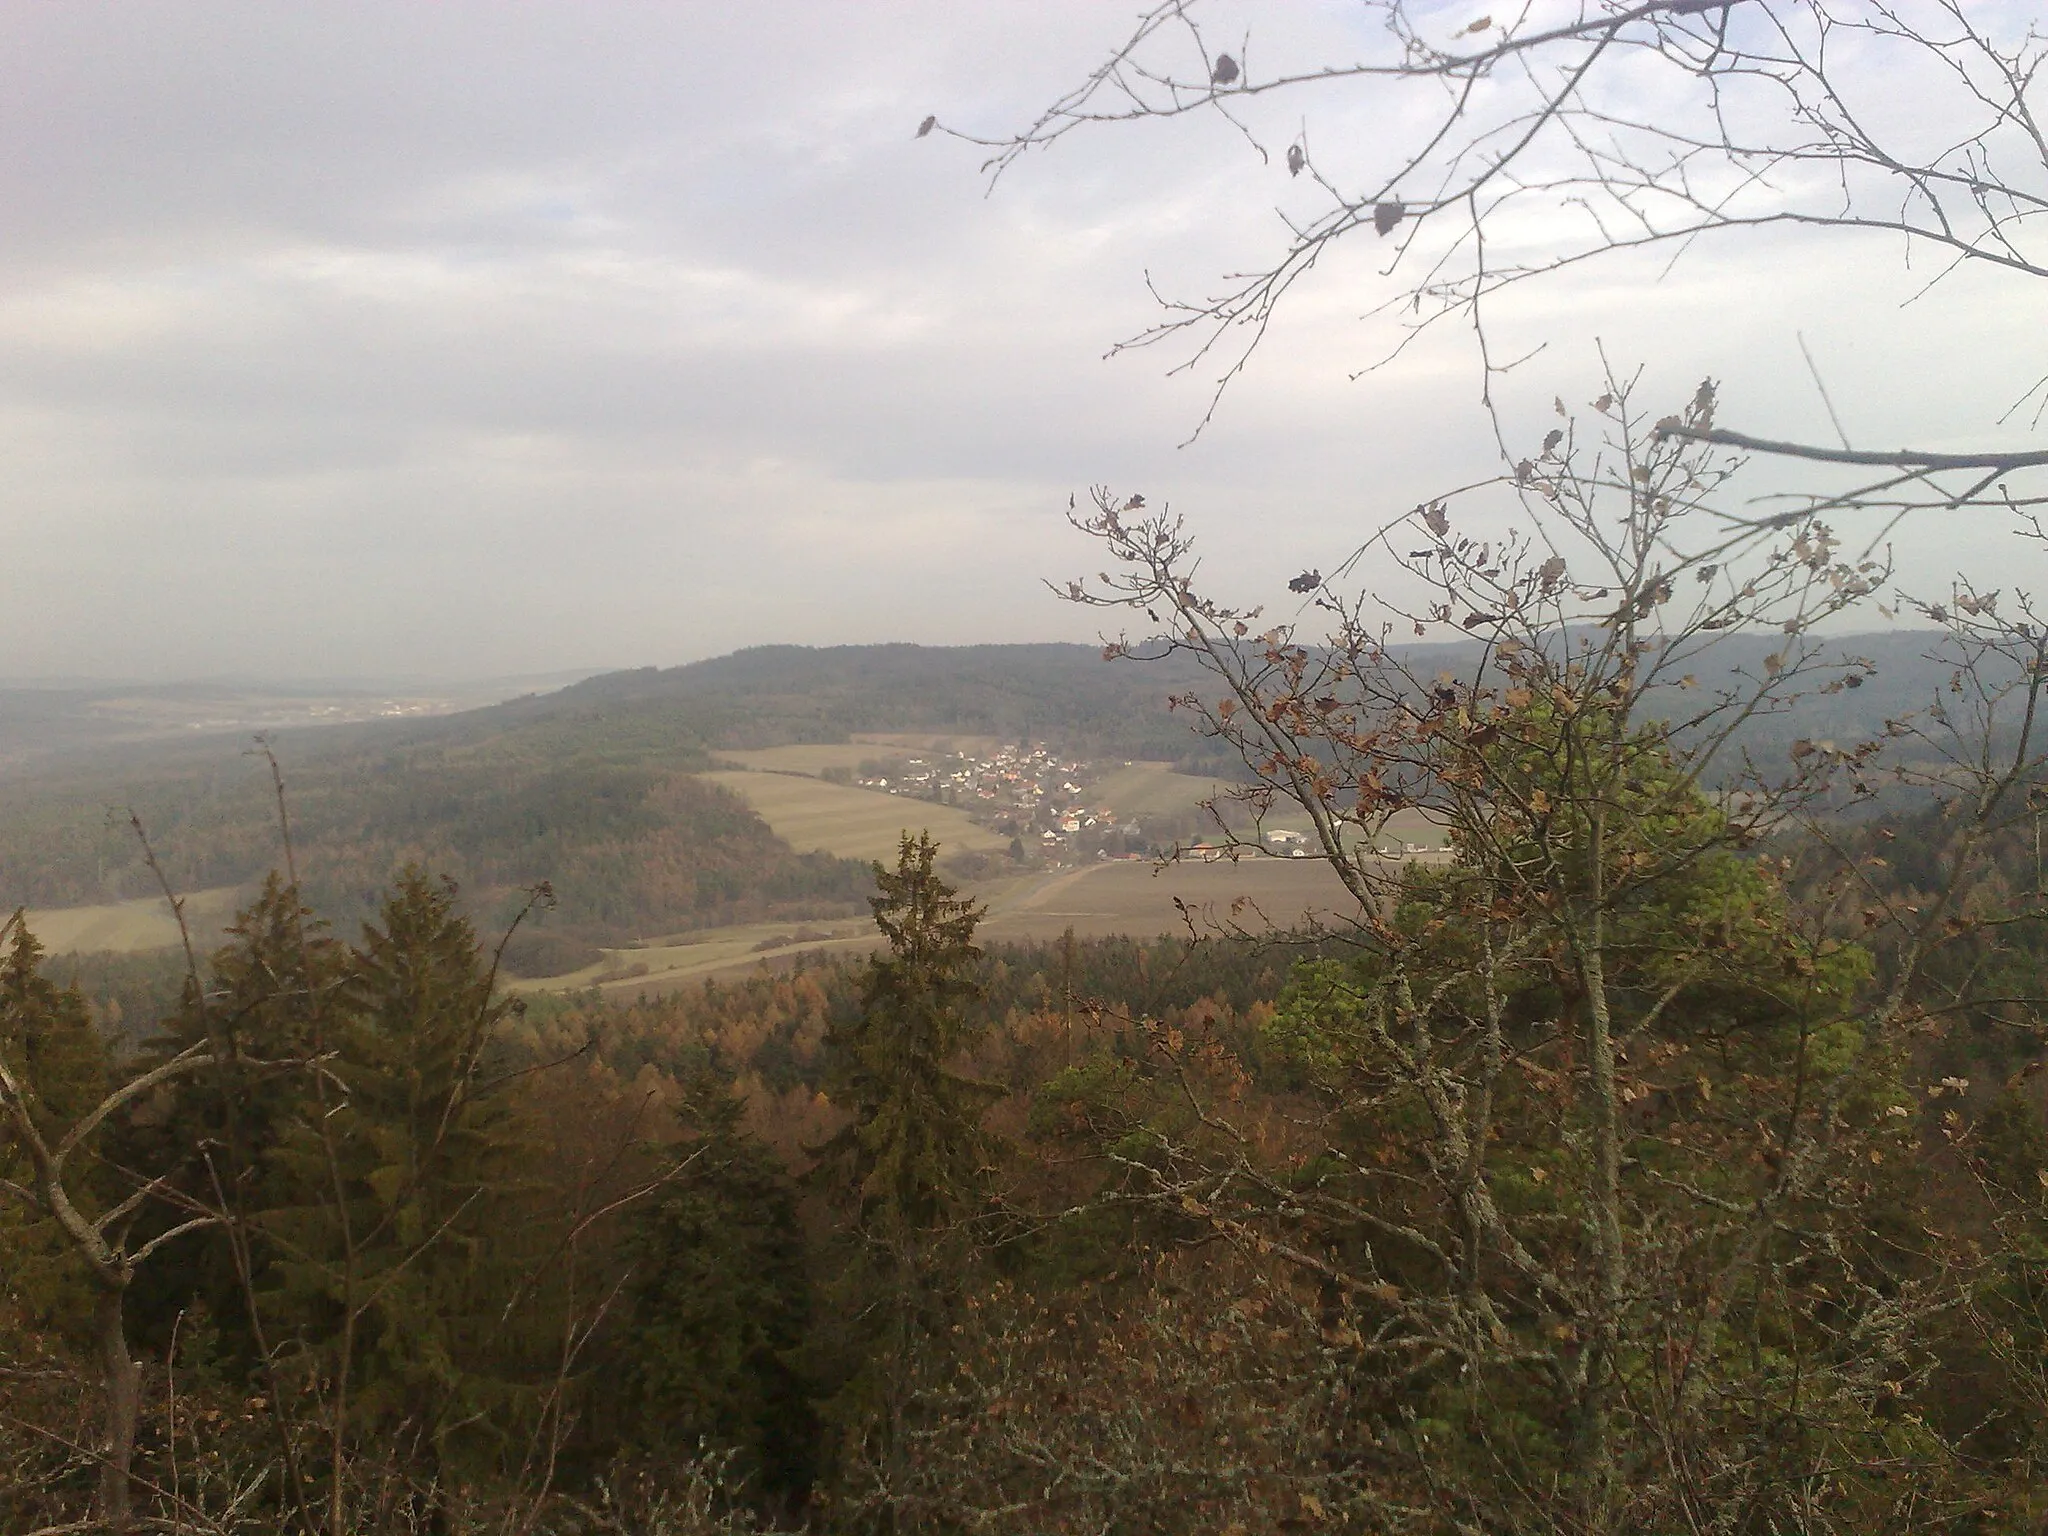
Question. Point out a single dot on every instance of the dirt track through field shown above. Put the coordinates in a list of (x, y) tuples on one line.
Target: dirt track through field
[(1255, 895)]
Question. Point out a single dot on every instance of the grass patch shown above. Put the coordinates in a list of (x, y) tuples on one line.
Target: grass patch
[(809, 814)]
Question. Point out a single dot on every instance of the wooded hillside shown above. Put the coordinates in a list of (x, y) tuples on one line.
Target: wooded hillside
[(590, 788)]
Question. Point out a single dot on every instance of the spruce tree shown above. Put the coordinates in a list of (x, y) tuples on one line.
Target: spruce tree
[(396, 1169), (914, 1157), (53, 1103), (912, 1165), (719, 1308), (50, 1046), (48, 1036), (269, 992)]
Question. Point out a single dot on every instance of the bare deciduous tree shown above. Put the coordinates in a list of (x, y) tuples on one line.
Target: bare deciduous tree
[(59, 1165), (1516, 146)]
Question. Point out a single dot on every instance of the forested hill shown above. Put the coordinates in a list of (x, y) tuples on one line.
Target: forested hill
[(776, 694), (630, 847), (591, 787)]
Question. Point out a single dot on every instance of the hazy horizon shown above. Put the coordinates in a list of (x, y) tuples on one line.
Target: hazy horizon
[(545, 678)]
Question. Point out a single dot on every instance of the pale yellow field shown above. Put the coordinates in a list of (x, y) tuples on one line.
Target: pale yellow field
[(809, 814), (126, 926), (1137, 897), (1253, 895), (659, 967), (1154, 789), (1411, 827)]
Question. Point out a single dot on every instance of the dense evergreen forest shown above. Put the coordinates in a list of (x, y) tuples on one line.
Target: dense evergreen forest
[(1109, 1234), (325, 1232), (628, 848)]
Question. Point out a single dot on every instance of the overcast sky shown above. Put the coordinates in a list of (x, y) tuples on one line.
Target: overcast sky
[(469, 339)]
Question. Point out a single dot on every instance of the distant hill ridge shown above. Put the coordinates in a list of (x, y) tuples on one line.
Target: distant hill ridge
[(592, 787), (775, 695)]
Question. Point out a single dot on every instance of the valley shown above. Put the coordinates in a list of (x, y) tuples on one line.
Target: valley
[(713, 817)]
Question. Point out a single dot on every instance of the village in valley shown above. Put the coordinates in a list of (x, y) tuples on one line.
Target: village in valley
[(1066, 808), (1028, 792)]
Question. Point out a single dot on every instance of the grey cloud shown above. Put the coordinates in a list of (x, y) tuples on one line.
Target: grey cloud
[(477, 339)]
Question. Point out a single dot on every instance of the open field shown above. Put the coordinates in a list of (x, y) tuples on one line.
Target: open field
[(1137, 897), (664, 966), (809, 814), (128, 926), (1154, 789), (1411, 827), (1131, 897), (1150, 789)]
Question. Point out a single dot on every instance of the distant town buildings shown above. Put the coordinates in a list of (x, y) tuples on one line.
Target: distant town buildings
[(1049, 802), (1018, 780)]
